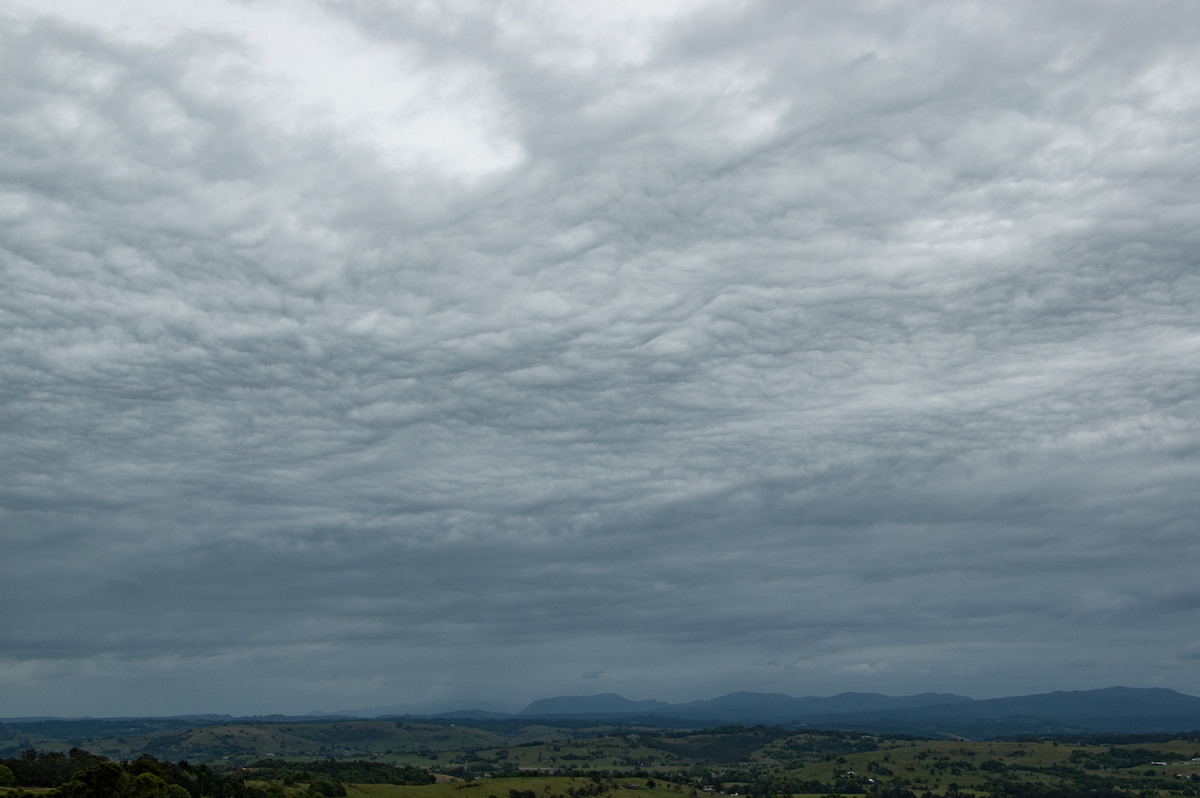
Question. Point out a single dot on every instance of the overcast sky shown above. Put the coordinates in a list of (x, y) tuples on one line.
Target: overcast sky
[(460, 354)]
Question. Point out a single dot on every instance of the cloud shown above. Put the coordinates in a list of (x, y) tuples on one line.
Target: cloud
[(644, 345)]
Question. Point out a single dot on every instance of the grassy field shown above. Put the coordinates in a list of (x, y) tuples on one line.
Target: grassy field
[(917, 765), (935, 765)]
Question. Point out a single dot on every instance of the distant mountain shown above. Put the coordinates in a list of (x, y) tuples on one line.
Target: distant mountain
[(1111, 702), (591, 705), (1129, 709), (778, 708), (436, 709), (1123, 709), (740, 707)]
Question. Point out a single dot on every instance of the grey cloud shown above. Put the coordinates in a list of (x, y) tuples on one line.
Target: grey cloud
[(862, 348)]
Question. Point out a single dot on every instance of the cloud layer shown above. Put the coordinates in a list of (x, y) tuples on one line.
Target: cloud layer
[(354, 354)]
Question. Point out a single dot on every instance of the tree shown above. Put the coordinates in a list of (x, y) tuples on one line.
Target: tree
[(101, 780), (145, 785)]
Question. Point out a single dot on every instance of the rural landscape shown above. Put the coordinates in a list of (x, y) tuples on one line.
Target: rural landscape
[(1098, 747), (625, 399)]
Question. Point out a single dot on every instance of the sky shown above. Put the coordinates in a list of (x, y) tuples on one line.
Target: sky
[(458, 354)]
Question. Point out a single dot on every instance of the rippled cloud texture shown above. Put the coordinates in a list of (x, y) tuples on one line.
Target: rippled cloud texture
[(356, 353)]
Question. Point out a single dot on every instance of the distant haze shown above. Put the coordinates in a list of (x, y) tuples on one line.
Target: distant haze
[(441, 355)]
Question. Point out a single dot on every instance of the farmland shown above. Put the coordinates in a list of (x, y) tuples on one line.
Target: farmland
[(396, 759)]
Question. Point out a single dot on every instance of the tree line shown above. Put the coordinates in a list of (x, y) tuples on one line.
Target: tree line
[(81, 774)]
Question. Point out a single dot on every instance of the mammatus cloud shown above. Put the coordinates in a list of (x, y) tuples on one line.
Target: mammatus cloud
[(734, 346)]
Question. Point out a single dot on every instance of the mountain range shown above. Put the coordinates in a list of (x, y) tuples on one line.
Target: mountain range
[(1113, 709), (739, 707), (1081, 712)]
